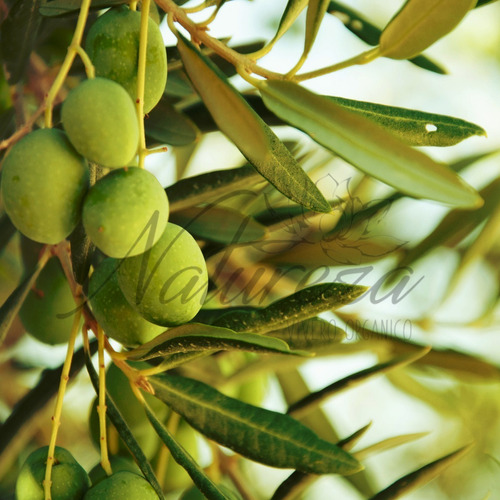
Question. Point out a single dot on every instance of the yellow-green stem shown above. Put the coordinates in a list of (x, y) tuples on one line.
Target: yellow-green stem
[(56, 417), (73, 50), (101, 407), (141, 79)]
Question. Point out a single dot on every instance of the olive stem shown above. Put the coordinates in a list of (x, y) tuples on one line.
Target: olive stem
[(73, 49), (101, 407), (56, 418), (141, 79)]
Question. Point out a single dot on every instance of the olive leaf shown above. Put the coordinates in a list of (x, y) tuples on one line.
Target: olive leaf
[(51, 8), (194, 337), (256, 141), (415, 128), (419, 24), (366, 145), (316, 10), (422, 476), (388, 444), (370, 34), (261, 435)]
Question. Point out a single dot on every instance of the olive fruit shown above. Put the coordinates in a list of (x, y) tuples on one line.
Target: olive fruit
[(45, 311), (122, 485), (113, 46), (115, 315), (168, 283), (125, 212), (101, 122), (69, 479), (119, 389), (44, 181), (118, 463)]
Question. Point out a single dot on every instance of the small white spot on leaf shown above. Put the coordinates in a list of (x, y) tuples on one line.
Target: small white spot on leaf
[(431, 127)]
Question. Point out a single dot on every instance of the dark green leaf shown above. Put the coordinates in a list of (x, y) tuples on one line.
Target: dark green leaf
[(480, 3), (178, 84), (7, 230), (18, 37), (184, 459), (166, 125), (422, 476), (194, 337), (61, 7), (350, 441), (251, 135), (261, 435), (419, 24), (370, 33), (415, 128), (219, 224), (302, 305), (125, 433), (311, 334), (314, 399), (366, 145)]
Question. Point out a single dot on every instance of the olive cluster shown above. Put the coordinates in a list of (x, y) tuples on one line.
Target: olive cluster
[(154, 274)]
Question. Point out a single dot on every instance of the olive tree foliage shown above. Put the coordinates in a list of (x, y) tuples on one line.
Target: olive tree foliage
[(264, 268)]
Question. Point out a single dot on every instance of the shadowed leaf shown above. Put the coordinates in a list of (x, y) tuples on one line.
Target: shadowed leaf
[(261, 435)]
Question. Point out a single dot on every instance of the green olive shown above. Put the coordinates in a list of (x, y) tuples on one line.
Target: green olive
[(46, 311), (44, 181), (115, 315), (125, 212), (113, 45), (168, 283), (120, 486), (101, 122), (69, 479)]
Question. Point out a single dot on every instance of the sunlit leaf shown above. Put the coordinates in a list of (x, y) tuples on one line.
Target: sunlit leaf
[(314, 399), (316, 10), (388, 444), (223, 225), (183, 458), (19, 35), (369, 33), (350, 441), (301, 305), (166, 125), (415, 128), (261, 435), (366, 145), (256, 141), (420, 477), (197, 337), (419, 24), (292, 10)]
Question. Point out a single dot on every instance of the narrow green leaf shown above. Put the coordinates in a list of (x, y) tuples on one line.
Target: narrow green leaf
[(455, 226), (311, 334), (415, 128), (293, 486), (262, 435), (7, 230), (124, 431), (367, 146), (219, 224), (350, 441), (61, 7), (420, 477), (388, 444), (370, 33), (419, 24), (185, 460), (480, 3), (210, 186), (166, 125), (19, 35), (194, 337), (316, 11), (302, 305), (312, 400), (256, 141), (292, 10)]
